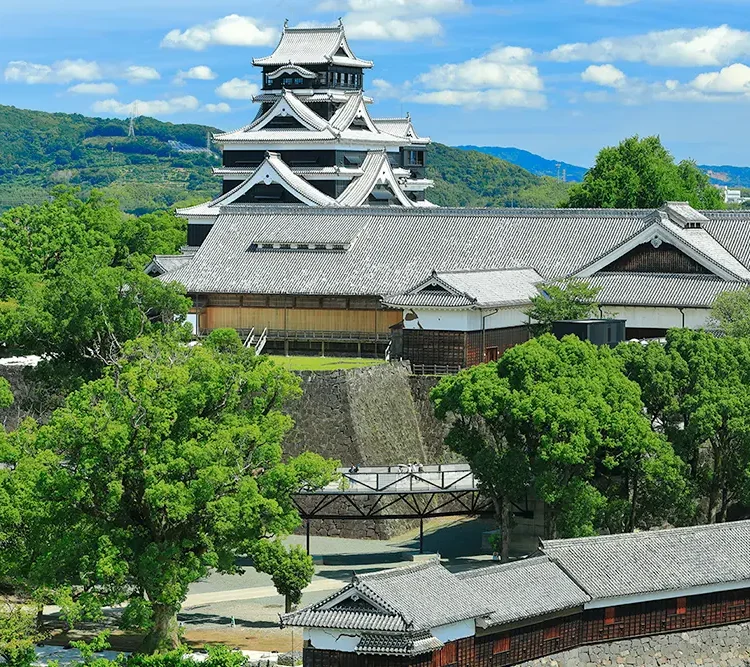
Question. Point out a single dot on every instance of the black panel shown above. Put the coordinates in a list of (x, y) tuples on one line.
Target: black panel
[(197, 233)]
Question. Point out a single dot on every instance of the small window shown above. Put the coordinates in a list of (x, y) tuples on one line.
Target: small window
[(681, 606), (501, 645), (551, 632), (609, 616), (298, 81)]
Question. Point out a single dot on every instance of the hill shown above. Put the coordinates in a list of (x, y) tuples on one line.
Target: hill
[(39, 150), (536, 164), (733, 177), (163, 166)]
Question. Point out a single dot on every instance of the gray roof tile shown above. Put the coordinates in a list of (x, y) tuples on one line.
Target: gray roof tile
[(413, 643), (657, 561), (524, 589)]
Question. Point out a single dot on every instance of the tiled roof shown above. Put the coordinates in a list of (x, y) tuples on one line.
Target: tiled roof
[(654, 562), (287, 104), (506, 287), (401, 127), (413, 643), (311, 46), (376, 169), (164, 263), (394, 249), (305, 73), (661, 289), (421, 596), (524, 589), (429, 299), (271, 136)]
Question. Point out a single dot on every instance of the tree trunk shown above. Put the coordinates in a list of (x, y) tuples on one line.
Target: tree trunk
[(287, 604), (164, 636), (715, 483), (505, 531), (633, 504)]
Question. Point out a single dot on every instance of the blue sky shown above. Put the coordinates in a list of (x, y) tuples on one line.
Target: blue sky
[(561, 78)]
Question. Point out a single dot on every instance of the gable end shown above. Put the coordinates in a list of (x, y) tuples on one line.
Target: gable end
[(660, 258)]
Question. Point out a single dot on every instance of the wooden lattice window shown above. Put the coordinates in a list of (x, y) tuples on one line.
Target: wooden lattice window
[(609, 616), (501, 645), (552, 632), (681, 606)]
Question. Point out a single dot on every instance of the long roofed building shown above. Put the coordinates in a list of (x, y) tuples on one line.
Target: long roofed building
[(313, 141)]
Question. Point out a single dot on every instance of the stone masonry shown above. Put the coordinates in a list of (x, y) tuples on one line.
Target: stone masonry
[(726, 646)]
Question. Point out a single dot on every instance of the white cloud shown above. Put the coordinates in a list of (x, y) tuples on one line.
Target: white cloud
[(148, 107), (732, 79), (238, 89), (141, 73), (232, 30), (199, 73), (682, 47), (395, 7), (385, 89), (491, 99), (63, 71), (396, 30), (221, 107), (94, 89), (605, 75), (504, 67)]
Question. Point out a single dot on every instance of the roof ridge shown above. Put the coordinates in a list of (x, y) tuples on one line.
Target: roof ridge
[(434, 561), (519, 564), (646, 534), (508, 268), (684, 276)]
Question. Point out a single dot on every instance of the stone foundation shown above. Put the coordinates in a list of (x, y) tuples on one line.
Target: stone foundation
[(726, 646)]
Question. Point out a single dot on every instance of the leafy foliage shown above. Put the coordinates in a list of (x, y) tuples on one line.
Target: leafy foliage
[(18, 635), (72, 285), (641, 173), (560, 417), (291, 569), (572, 299), (173, 466), (697, 391), (730, 313)]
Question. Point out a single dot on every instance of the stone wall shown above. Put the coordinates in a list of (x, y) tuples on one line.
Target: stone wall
[(726, 646)]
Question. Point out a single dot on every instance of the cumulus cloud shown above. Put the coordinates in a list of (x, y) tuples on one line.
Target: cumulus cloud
[(393, 20), (221, 107), (232, 30), (504, 67), (198, 73), (732, 79), (62, 71), (499, 79), (491, 99), (94, 89), (140, 73), (148, 107), (682, 47), (605, 75), (238, 89)]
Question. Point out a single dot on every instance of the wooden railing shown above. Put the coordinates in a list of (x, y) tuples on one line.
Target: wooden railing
[(435, 369)]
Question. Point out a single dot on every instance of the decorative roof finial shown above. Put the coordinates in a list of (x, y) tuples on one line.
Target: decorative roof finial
[(286, 23), (408, 115), (341, 22)]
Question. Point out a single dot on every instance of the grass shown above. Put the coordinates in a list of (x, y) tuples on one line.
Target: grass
[(324, 363)]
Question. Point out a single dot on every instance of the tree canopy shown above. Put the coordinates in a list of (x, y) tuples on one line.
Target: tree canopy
[(730, 313), (560, 418), (572, 299), (72, 286), (167, 466), (291, 569), (641, 173)]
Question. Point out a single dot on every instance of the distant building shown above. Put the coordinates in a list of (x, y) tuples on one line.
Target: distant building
[(581, 591), (732, 196), (450, 286), (313, 142)]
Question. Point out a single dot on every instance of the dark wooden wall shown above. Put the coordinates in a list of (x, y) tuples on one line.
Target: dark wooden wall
[(594, 626), (497, 341), (664, 259)]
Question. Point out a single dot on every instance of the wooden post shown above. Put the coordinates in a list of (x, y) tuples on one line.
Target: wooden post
[(359, 349), (421, 535), (322, 348), (307, 536)]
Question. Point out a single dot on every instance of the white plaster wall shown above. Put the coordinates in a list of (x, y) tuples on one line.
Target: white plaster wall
[(333, 640), (454, 631), (658, 318), (465, 320)]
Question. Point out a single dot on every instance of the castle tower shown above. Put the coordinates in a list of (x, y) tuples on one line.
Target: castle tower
[(313, 141)]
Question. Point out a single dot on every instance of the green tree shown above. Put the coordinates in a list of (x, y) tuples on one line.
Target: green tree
[(291, 569), (18, 635), (572, 299), (697, 388), (641, 173), (72, 286), (172, 466), (730, 313), (560, 418)]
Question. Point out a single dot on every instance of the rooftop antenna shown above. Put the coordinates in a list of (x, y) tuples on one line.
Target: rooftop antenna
[(558, 165), (131, 125), (208, 142)]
